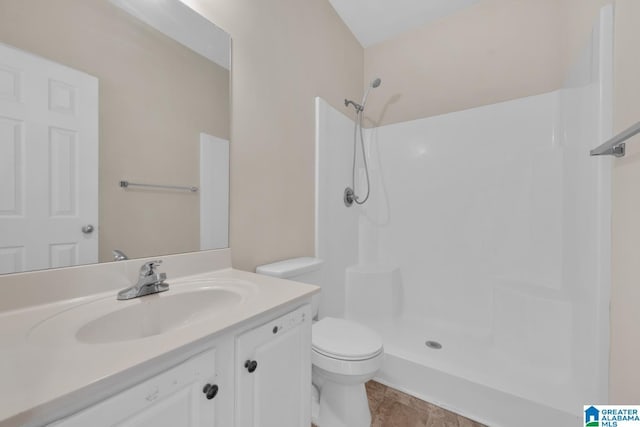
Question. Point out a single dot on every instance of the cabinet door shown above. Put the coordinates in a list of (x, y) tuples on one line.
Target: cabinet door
[(173, 398), (273, 373)]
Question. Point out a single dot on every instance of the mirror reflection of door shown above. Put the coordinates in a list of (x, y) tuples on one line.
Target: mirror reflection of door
[(48, 164)]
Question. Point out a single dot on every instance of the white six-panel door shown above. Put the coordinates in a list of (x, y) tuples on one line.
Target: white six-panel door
[(48, 163)]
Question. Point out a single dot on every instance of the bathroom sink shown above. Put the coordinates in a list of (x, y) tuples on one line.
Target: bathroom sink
[(156, 314), (107, 320)]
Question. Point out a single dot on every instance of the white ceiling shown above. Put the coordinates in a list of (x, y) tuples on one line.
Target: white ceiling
[(373, 21)]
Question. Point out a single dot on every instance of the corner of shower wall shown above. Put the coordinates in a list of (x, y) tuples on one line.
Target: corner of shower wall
[(585, 120), (336, 226), (605, 166), (356, 284)]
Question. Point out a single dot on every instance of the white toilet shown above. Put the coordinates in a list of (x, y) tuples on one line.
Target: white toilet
[(344, 355)]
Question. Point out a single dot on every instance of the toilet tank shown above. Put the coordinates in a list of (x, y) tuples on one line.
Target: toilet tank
[(304, 269)]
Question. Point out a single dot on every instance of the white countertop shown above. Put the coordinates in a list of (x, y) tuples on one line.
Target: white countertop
[(35, 374)]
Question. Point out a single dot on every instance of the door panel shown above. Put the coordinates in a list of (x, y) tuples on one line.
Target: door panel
[(48, 162), (62, 167), (11, 166), (277, 392), (12, 259)]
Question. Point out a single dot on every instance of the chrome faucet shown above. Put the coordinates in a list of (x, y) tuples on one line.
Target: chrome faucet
[(118, 255), (149, 282)]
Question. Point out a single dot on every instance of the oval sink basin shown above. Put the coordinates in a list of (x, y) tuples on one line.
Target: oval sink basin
[(107, 320), (156, 314)]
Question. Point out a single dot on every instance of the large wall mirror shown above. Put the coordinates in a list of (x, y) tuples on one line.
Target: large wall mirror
[(99, 96)]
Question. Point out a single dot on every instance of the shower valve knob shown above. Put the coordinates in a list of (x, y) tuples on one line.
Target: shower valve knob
[(251, 365)]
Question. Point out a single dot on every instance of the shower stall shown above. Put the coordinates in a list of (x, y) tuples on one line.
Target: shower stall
[(482, 256)]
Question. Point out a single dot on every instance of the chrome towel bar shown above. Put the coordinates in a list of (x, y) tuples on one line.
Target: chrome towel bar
[(616, 145), (125, 184)]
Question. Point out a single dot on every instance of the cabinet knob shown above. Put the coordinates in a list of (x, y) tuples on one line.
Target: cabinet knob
[(251, 365), (210, 390)]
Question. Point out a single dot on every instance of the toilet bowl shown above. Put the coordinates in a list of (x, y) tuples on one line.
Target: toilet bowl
[(344, 355)]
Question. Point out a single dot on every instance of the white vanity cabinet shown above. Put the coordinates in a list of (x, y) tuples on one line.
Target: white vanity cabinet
[(176, 397), (273, 372), (258, 374)]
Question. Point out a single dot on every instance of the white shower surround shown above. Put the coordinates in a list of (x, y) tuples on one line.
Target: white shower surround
[(487, 230)]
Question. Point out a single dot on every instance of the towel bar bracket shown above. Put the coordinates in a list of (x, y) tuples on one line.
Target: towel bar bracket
[(616, 145), (617, 151)]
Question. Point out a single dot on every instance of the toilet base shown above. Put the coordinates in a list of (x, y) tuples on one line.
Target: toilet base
[(342, 405)]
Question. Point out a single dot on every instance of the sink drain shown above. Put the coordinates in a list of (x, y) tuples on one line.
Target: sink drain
[(434, 345)]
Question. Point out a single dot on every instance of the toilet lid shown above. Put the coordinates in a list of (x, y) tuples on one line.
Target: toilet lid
[(343, 339)]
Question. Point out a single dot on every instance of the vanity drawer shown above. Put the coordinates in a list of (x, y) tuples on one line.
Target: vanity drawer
[(182, 396)]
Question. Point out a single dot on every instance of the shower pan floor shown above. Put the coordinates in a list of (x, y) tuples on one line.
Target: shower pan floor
[(469, 363)]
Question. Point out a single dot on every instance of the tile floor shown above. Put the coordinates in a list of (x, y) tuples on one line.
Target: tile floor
[(392, 408)]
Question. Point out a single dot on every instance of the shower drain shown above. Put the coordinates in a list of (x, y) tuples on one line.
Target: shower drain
[(434, 345)]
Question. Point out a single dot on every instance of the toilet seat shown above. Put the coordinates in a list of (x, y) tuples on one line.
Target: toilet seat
[(345, 340), (344, 347)]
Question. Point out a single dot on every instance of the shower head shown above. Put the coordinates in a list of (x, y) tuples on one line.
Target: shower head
[(360, 107), (374, 84)]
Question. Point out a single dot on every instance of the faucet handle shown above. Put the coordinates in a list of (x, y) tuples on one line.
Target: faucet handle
[(147, 268)]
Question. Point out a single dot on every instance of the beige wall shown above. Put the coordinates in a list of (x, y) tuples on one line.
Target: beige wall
[(578, 19), (155, 98), (494, 51), (285, 52)]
